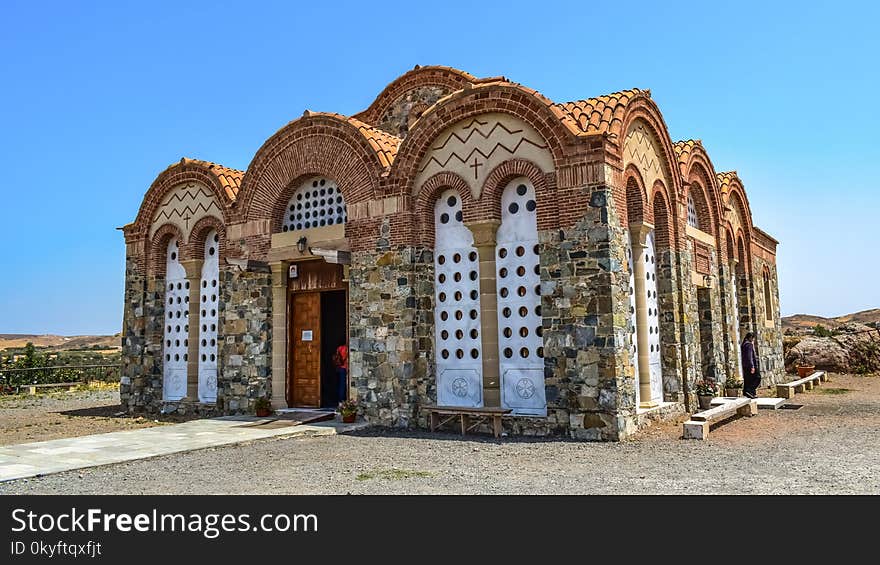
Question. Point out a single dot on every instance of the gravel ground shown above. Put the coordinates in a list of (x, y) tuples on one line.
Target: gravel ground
[(830, 446), (56, 415)]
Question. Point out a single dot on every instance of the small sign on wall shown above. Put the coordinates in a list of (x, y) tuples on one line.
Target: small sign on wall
[(307, 335), (292, 272)]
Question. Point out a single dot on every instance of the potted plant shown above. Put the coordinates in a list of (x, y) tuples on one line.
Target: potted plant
[(348, 410), (732, 386), (804, 369), (706, 389), (262, 407)]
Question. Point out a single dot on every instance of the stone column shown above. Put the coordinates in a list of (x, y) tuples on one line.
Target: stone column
[(484, 240), (638, 236), (193, 268), (279, 334)]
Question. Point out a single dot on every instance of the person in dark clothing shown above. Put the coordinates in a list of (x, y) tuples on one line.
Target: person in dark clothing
[(751, 367)]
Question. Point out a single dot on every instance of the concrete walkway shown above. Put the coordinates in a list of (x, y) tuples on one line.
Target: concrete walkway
[(45, 457)]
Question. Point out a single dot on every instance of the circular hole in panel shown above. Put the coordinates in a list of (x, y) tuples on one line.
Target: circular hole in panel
[(538, 290), (474, 334), (507, 332), (173, 255), (521, 190), (521, 271), (508, 352), (213, 327), (472, 256), (513, 208), (503, 292), (537, 249), (473, 275), (451, 201), (171, 286), (523, 311), (441, 297), (456, 258), (179, 286), (502, 252), (539, 331), (444, 316), (524, 352), (445, 354), (459, 334), (213, 342), (213, 357), (502, 272), (177, 357), (540, 352), (474, 295), (444, 335), (213, 298), (441, 278), (506, 312), (523, 332), (538, 310), (458, 216), (444, 218), (213, 313), (521, 291), (211, 251), (459, 353), (459, 314), (176, 343), (474, 353), (456, 277), (530, 205), (520, 251), (168, 357), (474, 314), (322, 182), (168, 343), (216, 238), (204, 357), (441, 259)]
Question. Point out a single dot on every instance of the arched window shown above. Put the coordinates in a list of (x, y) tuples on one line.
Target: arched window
[(653, 317), (176, 341), (768, 303), (693, 217), (457, 307), (518, 280), (209, 296), (316, 203)]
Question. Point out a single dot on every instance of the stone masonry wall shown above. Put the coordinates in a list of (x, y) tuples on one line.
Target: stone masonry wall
[(245, 337), (768, 331)]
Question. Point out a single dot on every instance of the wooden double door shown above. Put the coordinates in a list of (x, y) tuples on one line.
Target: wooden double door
[(317, 325)]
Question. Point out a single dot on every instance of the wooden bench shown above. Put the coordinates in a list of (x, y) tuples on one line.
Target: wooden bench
[(787, 390), (698, 426), (465, 415), (32, 389)]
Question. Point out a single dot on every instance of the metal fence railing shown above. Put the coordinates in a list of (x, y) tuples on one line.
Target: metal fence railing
[(17, 378)]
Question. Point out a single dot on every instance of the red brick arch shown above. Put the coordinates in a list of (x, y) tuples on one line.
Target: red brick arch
[(314, 145), (444, 77), (184, 171), (664, 218), (642, 108), (699, 168), (425, 202), (195, 246), (636, 207), (505, 98), (157, 247), (545, 191)]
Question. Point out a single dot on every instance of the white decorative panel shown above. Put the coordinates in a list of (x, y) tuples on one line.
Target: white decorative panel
[(184, 206), (633, 324), (518, 280), (317, 203), (457, 311), (209, 297), (176, 340), (653, 319), (693, 219)]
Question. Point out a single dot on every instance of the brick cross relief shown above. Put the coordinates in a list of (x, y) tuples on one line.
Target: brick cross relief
[(476, 167)]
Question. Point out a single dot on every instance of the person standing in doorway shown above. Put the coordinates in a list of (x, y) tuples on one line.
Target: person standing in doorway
[(751, 367), (340, 359)]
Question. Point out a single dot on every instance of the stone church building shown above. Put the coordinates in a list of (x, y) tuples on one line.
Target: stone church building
[(474, 243)]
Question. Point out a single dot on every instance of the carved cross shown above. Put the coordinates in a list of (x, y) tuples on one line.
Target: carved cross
[(475, 167), (187, 218)]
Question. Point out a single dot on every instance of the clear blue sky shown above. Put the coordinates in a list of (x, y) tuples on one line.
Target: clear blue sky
[(99, 97)]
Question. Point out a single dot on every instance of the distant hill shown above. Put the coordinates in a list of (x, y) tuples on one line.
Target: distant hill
[(59, 342), (807, 321)]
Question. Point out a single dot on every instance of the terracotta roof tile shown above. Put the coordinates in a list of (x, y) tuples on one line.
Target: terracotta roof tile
[(599, 115), (384, 144), (230, 179), (724, 180)]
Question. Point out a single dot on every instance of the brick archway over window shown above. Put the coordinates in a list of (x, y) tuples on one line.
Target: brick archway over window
[(545, 191)]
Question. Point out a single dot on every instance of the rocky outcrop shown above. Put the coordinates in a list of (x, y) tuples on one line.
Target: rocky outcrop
[(856, 349)]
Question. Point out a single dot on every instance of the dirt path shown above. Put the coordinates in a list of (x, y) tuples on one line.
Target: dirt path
[(56, 415)]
